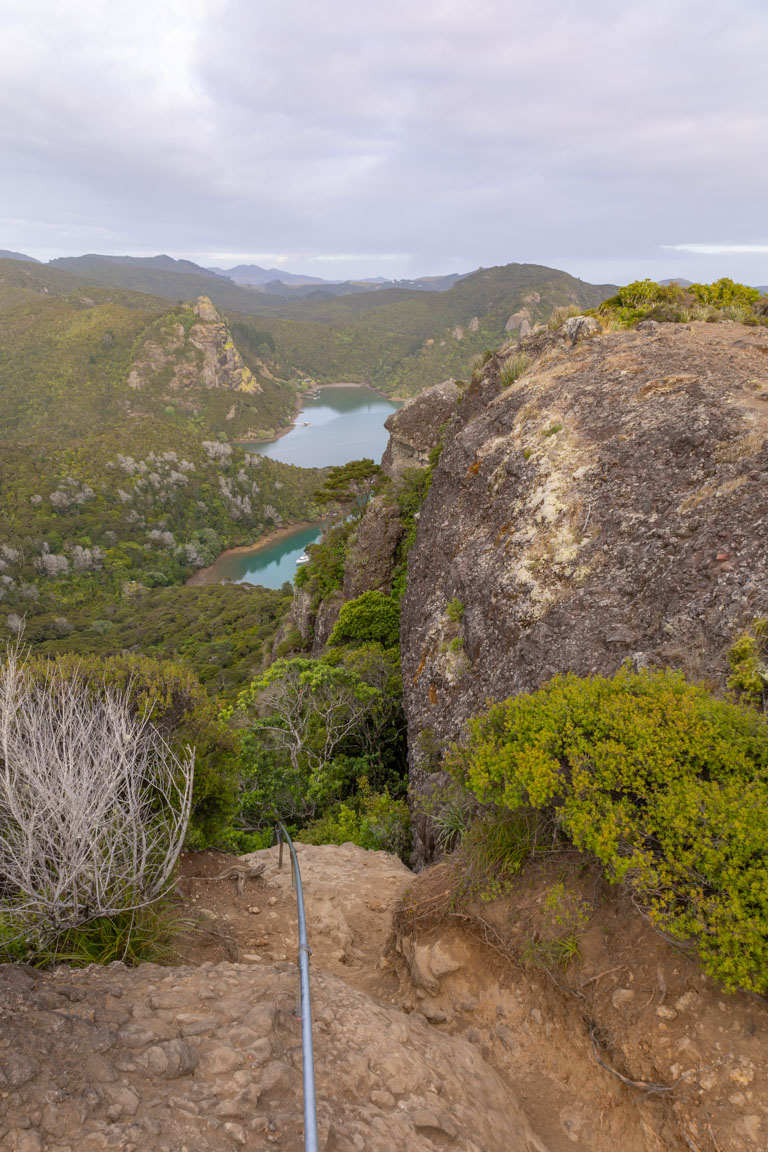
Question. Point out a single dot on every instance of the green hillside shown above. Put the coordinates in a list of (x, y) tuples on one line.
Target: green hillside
[(176, 280), (403, 341), (116, 468), (399, 339)]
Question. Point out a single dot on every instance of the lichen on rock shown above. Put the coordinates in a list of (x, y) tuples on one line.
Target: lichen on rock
[(607, 506)]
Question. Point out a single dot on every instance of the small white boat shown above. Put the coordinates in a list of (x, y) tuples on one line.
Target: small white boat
[(303, 559), (307, 424)]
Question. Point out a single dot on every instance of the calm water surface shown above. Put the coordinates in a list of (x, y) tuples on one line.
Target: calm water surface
[(343, 424)]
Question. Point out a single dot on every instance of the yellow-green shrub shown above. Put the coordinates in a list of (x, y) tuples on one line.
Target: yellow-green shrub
[(748, 658), (664, 784)]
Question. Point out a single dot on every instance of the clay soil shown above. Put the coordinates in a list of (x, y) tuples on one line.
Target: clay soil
[(349, 912), (624, 1044)]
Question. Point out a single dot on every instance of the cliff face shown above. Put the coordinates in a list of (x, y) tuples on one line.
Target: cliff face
[(202, 354), (416, 428), (609, 505)]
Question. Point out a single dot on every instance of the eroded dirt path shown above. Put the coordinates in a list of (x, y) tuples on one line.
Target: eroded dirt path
[(207, 1055), (424, 1040)]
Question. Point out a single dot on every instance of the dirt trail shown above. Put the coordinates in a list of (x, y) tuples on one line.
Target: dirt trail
[(207, 1055), (350, 895), (426, 1039)]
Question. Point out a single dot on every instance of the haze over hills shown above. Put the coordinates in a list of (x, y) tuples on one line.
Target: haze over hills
[(254, 274), (275, 280), (145, 273), (5, 254)]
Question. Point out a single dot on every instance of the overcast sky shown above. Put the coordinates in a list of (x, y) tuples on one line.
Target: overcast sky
[(390, 137)]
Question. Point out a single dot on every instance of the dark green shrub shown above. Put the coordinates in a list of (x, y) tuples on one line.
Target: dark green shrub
[(665, 785), (455, 610), (371, 618), (350, 487), (374, 820)]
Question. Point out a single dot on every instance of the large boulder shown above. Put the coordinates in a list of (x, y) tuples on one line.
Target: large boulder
[(417, 427)]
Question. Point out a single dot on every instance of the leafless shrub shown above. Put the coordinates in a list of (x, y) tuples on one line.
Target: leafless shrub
[(217, 449), (94, 805)]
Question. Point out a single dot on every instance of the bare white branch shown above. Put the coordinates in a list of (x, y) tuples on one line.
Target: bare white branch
[(94, 805)]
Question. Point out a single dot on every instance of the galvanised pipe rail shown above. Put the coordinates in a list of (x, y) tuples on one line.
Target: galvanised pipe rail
[(307, 1053)]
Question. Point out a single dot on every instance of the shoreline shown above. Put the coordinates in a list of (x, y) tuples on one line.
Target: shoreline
[(205, 576), (300, 404)]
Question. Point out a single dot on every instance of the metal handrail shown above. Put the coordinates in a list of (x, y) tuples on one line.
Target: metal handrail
[(307, 1053)]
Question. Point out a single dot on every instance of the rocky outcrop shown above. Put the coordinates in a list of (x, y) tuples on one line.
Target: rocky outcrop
[(609, 505), (519, 322), (417, 428), (369, 565), (369, 558), (200, 354), (299, 623), (325, 618)]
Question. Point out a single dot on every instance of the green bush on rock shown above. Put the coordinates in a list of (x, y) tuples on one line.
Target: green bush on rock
[(665, 785), (371, 618)]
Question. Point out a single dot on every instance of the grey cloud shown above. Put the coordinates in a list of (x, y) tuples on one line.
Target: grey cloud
[(477, 131)]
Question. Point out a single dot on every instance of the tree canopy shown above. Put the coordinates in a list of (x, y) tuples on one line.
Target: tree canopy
[(351, 486)]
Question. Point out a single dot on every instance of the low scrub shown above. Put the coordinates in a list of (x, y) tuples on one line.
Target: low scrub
[(723, 300), (665, 785), (373, 820), (371, 618)]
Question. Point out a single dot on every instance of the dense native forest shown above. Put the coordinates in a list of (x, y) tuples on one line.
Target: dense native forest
[(118, 473)]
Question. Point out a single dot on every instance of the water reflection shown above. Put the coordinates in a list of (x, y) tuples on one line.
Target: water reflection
[(337, 424)]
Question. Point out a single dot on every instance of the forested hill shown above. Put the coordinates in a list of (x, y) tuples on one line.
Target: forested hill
[(403, 341), (117, 469), (399, 339)]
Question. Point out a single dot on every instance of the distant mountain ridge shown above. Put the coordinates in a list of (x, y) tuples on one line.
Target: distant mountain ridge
[(94, 260), (254, 274), (5, 254), (399, 338), (274, 281)]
